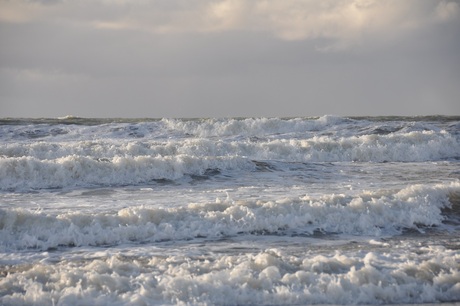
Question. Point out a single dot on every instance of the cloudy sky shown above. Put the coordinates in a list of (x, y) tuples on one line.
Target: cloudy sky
[(182, 58)]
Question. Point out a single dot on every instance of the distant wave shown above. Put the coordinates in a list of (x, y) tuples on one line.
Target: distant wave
[(69, 117)]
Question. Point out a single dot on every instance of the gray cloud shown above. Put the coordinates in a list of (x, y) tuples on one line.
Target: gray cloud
[(229, 58)]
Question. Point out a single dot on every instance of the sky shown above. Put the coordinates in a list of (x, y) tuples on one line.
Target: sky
[(229, 58)]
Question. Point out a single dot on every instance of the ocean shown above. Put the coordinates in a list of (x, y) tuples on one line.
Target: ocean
[(230, 211)]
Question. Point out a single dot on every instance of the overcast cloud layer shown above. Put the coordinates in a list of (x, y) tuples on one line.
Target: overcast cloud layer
[(179, 58)]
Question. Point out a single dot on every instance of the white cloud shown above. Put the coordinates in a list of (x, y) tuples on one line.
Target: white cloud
[(348, 22), (447, 10), (345, 22), (42, 76), (19, 12)]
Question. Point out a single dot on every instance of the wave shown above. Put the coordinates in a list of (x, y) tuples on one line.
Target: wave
[(252, 126), (25, 173), (110, 163), (369, 213), (413, 146), (219, 127)]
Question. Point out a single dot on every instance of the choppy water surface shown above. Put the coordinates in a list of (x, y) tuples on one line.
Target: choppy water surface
[(325, 210)]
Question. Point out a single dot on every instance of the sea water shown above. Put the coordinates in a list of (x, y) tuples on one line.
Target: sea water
[(237, 211)]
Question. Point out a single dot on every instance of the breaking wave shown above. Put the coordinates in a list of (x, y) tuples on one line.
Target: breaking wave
[(369, 213)]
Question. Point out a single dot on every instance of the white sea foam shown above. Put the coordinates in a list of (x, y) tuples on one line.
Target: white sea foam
[(266, 278)]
